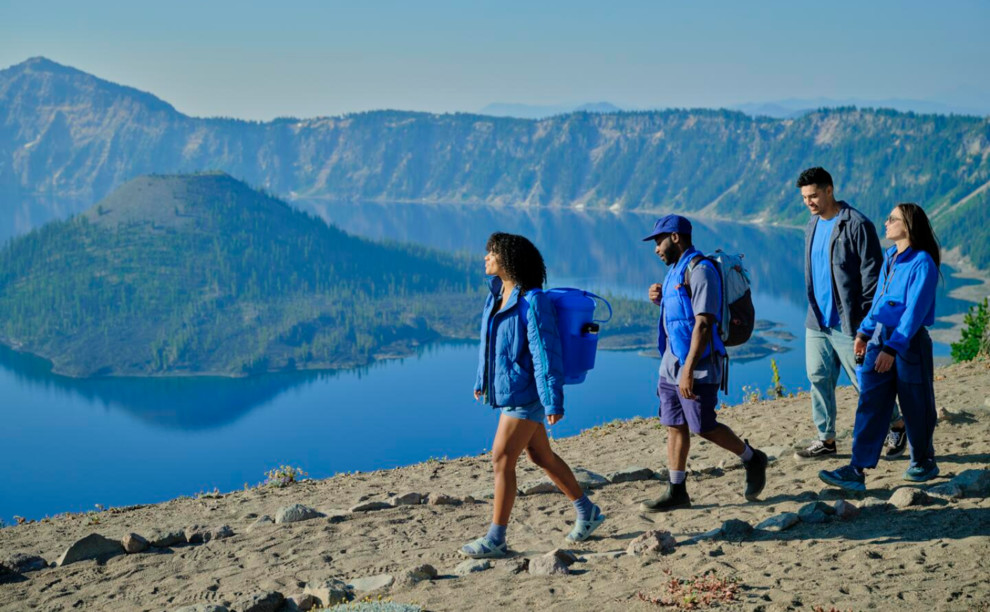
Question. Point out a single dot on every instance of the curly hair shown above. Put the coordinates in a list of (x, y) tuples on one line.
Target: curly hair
[(520, 259)]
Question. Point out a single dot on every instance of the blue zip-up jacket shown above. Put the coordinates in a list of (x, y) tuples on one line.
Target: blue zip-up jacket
[(905, 298), (520, 360), (856, 258)]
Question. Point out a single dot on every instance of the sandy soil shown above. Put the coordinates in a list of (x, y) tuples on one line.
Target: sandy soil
[(934, 557)]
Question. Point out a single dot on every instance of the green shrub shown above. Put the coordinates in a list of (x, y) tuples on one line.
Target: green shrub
[(974, 334)]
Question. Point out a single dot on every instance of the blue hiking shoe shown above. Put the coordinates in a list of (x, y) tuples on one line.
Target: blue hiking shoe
[(845, 477), (921, 473)]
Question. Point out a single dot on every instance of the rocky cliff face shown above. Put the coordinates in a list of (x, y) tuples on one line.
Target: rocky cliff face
[(66, 132)]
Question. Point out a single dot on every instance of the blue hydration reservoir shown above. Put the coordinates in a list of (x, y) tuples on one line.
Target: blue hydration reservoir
[(578, 329)]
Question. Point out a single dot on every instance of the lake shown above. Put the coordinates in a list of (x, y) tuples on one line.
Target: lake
[(70, 444)]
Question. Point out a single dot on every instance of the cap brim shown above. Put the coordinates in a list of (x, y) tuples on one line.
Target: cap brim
[(653, 236)]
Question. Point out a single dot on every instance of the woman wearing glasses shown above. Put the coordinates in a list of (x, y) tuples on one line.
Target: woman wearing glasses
[(896, 350)]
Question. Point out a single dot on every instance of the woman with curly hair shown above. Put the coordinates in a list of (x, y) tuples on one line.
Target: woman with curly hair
[(896, 353), (520, 372)]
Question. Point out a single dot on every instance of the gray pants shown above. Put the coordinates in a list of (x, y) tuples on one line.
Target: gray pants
[(824, 353)]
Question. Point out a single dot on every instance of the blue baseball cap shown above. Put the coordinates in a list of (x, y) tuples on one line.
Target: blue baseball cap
[(671, 224)]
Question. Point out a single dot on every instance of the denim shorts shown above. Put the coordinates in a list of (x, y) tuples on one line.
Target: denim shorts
[(529, 412)]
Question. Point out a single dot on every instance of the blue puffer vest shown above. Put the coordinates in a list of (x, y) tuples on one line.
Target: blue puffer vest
[(519, 359), (677, 312)]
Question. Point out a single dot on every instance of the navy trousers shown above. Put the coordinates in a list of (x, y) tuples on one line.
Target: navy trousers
[(911, 382)]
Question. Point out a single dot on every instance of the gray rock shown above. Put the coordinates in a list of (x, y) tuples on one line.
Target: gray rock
[(471, 566), (735, 530), (133, 543), (630, 474), (197, 534), (329, 592), (947, 490), (371, 506), (816, 506), (654, 542), (300, 602), (221, 532), (93, 546), (703, 472), (295, 513), (417, 574), (269, 601), (513, 566), (372, 583), (974, 483), (162, 538), (845, 510), (442, 499), (481, 495), (406, 499), (566, 557), (780, 522), (23, 563), (814, 518), (202, 608), (264, 521), (904, 497), (543, 485), (547, 565), (588, 479)]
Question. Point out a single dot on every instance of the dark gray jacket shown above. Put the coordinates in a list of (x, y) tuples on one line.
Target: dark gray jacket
[(856, 261)]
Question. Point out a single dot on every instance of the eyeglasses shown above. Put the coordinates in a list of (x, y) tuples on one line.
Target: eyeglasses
[(892, 219)]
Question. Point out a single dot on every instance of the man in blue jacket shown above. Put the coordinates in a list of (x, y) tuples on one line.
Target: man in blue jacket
[(692, 363), (842, 263)]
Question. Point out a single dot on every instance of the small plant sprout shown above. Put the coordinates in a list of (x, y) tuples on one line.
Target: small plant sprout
[(777, 390), (283, 476)]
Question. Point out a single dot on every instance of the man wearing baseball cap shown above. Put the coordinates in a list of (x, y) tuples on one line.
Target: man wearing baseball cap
[(692, 364)]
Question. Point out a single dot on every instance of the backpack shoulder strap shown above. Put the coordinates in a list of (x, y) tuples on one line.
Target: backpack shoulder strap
[(697, 259)]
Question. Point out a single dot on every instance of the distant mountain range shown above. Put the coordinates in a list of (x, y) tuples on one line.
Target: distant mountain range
[(68, 133), (534, 111), (200, 274)]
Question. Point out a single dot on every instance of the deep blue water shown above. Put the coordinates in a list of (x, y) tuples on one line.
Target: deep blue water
[(69, 444)]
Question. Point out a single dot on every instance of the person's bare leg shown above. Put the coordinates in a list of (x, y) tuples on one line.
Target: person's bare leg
[(678, 445), (560, 473), (511, 438), (726, 438)]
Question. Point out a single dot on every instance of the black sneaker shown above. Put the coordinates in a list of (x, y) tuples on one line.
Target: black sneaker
[(756, 473), (817, 449), (674, 497), (895, 444)]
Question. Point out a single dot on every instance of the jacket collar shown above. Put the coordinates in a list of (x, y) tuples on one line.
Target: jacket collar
[(495, 286)]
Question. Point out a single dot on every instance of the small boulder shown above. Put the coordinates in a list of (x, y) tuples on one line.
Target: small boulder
[(221, 532), (202, 608), (442, 499), (845, 510), (816, 506), (23, 563), (815, 517), (417, 574), (264, 521), (947, 490), (197, 534), (874, 504), (269, 601), (974, 483), (904, 497), (295, 513), (566, 557), (370, 506), (654, 542), (534, 487), (471, 566), (406, 499), (735, 530), (329, 592), (547, 565), (630, 474), (301, 602), (372, 583), (780, 522), (588, 479), (163, 538), (93, 546), (134, 543)]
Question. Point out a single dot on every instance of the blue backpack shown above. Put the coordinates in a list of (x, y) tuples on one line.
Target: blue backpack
[(578, 329)]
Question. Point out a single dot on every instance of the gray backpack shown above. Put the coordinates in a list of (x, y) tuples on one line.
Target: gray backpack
[(738, 314)]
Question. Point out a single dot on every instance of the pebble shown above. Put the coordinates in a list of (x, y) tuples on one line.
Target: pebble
[(588, 479), (653, 542), (630, 474), (534, 487), (442, 499), (417, 574), (845, 510), (566, 557), (269, 601), (904, 497), (295, 513)]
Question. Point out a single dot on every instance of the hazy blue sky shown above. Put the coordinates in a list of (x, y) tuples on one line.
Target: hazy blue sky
[(261, 60)]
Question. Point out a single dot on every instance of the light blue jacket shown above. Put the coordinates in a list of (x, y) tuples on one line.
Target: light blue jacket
[(905, 298), (520, 359)]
